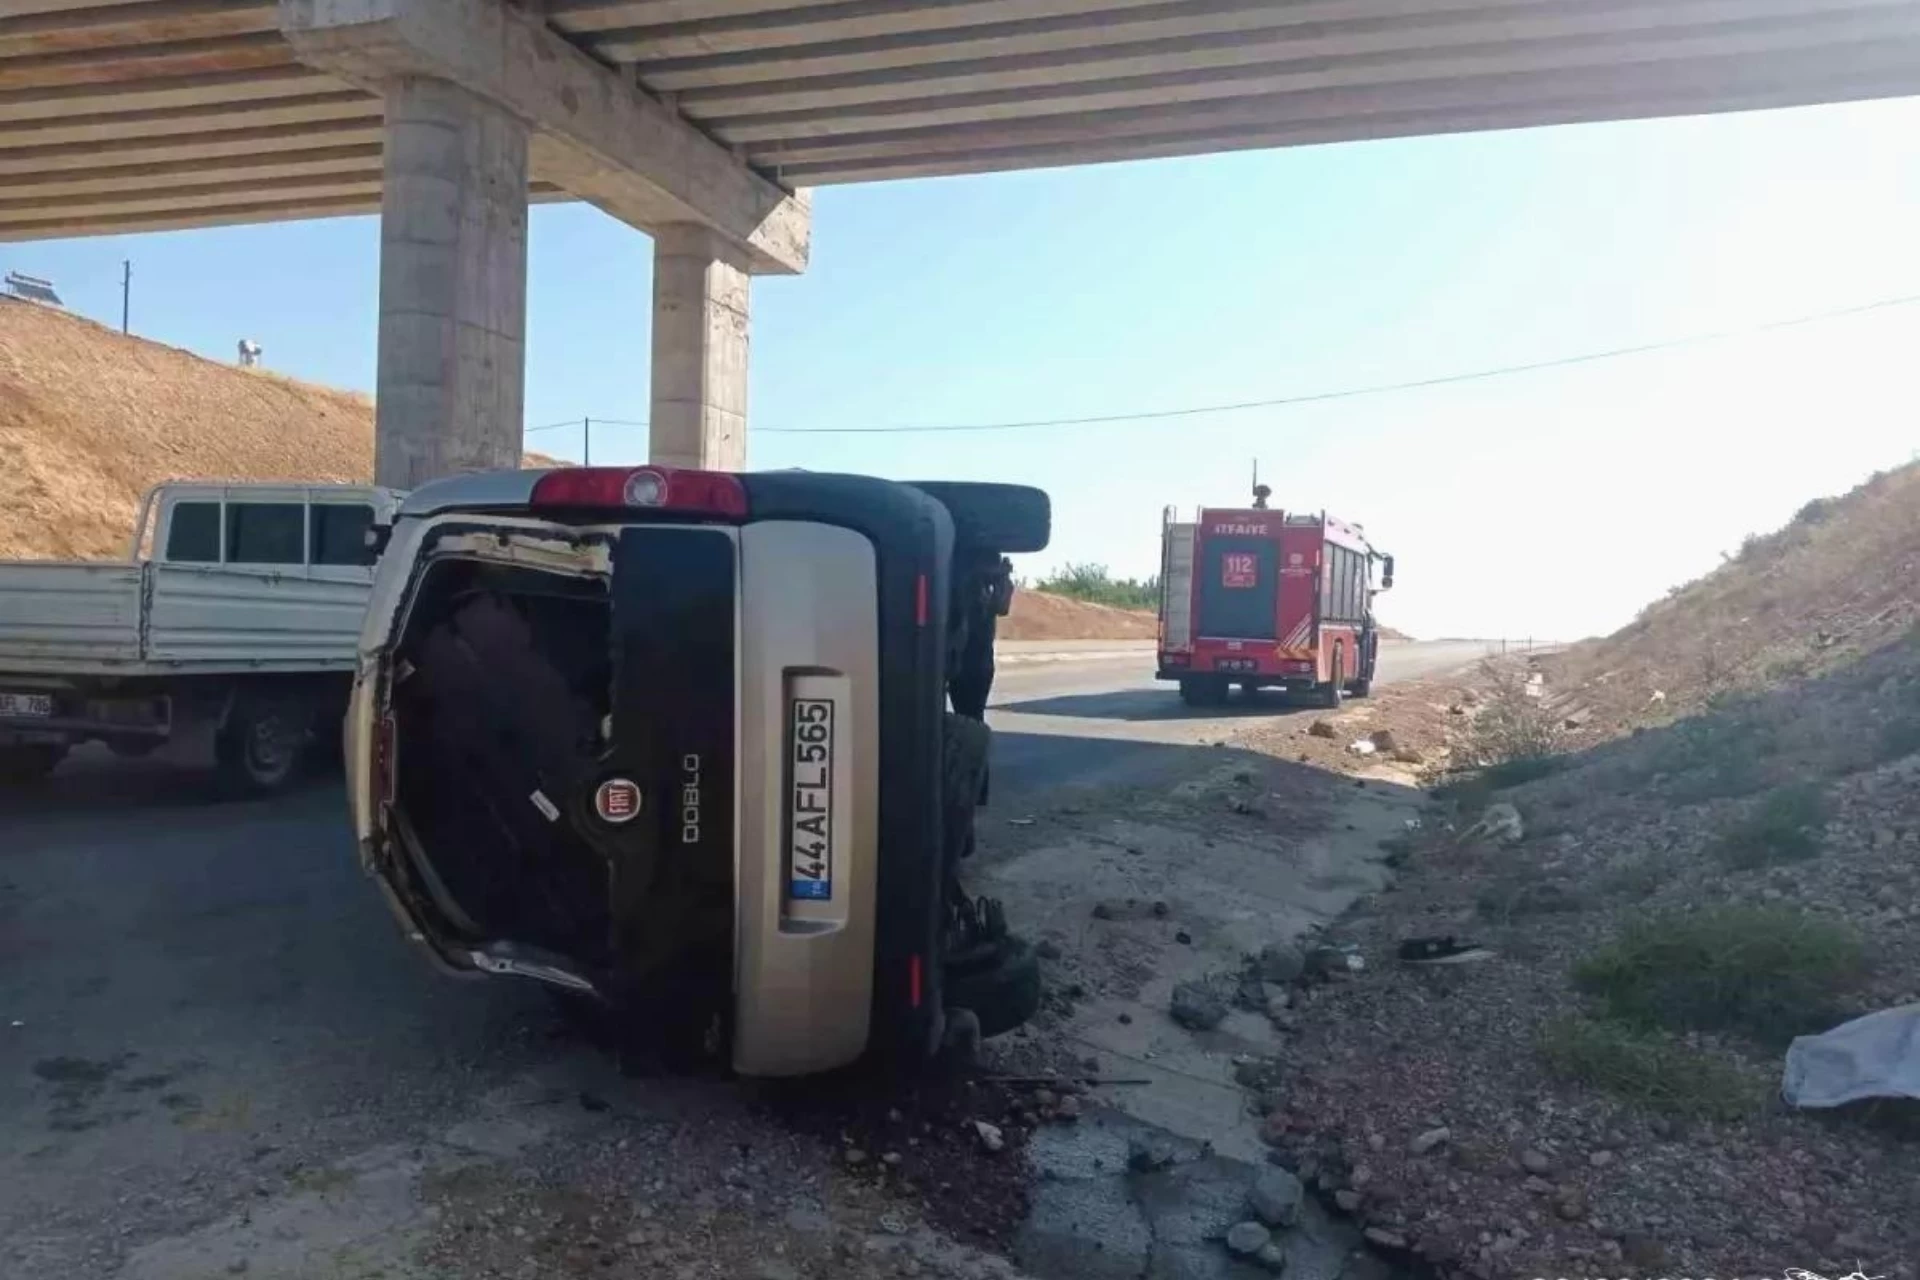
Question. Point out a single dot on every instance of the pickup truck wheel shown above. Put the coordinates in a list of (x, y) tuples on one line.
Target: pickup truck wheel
[(30, 762), (262, 746)]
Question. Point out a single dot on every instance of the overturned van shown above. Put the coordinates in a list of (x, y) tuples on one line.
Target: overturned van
[(700, 749)]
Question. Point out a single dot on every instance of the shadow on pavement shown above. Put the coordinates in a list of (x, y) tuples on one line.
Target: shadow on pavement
[(1136, 705), (93, 780)]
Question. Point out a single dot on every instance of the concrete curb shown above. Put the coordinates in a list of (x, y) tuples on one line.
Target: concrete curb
[(1004, 659)]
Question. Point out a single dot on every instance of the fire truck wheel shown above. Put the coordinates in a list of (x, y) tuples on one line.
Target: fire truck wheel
[(1007, 518), (1330, 692), (1361, 688), (1203, 691)]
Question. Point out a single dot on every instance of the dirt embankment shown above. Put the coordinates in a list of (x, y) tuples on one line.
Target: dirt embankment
[(1674, 850), (90, 418), (1040, 616), (1832, 585)]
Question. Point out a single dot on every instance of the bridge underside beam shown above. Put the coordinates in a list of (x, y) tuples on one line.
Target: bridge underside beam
[(591, 131)]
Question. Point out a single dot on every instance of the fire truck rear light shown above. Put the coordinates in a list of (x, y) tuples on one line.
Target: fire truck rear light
[(714, 494)]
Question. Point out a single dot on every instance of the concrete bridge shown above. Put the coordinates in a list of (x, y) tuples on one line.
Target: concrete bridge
[(704, 122)]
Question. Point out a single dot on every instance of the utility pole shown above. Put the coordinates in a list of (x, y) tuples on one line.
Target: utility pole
[(126, 293), (586, 447)]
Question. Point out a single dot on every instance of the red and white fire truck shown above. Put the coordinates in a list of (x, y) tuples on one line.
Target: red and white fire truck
[(1268, 599)]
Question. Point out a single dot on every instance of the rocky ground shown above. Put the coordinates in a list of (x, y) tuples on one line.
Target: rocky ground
[(1492, 1119)]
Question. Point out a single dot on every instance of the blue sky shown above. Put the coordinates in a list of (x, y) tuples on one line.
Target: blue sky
[(1551, 503)]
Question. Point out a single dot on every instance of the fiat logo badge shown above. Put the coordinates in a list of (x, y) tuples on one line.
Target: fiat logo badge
[(617, 801)]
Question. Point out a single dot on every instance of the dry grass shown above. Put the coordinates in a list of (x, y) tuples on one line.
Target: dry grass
[(1652, 1068), (89, 419), (1831, 585)]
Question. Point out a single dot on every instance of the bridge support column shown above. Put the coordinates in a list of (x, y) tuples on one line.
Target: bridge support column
[(699, 411), (453, 284)]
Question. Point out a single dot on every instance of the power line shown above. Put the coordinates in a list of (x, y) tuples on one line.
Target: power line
[(1347, 393), (1313, 397)]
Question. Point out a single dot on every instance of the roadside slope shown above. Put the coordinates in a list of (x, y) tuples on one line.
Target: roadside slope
[(1835, 583), (90, 418), (1038, 615)]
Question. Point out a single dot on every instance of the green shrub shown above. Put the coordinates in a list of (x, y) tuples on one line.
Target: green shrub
[(1784, 827), (1638, 878), (1092, 582), (1770, 972), (1651, 1068)]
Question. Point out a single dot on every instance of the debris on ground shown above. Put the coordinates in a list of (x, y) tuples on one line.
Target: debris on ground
[(1499, 822), (1150, 1153), (1323, 729), (1276, 1197), (1875, 1056), (1198, 1004), (1248, 1238)]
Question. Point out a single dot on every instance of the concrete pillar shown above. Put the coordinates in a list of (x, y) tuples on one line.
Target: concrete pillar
[(699, 413), (453, 285)]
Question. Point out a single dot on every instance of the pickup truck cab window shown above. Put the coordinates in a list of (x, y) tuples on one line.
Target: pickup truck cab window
[(266, 533), (194, 535), (338, 533)]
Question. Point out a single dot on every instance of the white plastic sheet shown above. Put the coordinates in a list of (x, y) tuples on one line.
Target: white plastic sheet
[(1877, 1056)]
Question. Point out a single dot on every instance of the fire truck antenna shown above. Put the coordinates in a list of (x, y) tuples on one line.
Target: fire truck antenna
[(1260, 491)]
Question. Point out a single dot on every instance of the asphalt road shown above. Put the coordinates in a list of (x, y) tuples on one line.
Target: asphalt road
[(203, 1002), (1108, 720)]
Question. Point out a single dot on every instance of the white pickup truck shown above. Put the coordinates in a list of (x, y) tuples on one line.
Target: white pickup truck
[(229, 632)]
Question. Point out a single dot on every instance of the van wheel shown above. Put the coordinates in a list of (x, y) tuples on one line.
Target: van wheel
[(31, 761), (263, 744), (1007, 518), (1001, 989)]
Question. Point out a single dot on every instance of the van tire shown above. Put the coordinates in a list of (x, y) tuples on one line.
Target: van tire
[(263, 746), (964, 749), (1003, 992), (1008, 518)]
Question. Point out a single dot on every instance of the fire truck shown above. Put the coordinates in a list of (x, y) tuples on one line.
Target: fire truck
[(1265, 598)]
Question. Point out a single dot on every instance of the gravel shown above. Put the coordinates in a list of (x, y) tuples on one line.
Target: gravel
[(1276, 1197), (1248, 1238), (1584, 1175)]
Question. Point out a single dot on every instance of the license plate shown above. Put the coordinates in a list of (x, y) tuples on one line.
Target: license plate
[(1236, 664), (810, 800), (37, 706)]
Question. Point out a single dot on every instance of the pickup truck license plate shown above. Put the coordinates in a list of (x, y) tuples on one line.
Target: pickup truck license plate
[(810, 800), (38, 706)]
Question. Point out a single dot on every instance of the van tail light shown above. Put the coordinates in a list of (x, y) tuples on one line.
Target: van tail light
[(714, 494)]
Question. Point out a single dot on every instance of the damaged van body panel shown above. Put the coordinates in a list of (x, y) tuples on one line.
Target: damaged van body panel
[(679, 741)]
